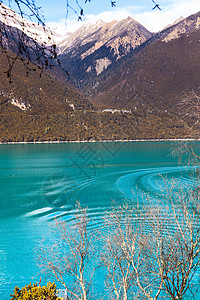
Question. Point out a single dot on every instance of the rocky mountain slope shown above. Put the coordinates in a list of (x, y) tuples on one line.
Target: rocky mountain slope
[(134, 81), (159, 75), (120, 36), (121, 65), (92, 48), (28, 104), (33, 91), (44, 109), (37, 95)]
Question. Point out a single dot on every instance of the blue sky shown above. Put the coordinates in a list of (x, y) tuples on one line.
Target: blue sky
[(140, 10)]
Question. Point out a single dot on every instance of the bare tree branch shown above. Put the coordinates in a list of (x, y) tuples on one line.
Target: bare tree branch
[(69, 260)]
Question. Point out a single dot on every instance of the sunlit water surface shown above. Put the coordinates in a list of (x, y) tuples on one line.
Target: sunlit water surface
[(41, 181)]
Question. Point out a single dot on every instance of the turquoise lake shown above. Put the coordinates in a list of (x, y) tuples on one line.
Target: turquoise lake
[(41, 181)]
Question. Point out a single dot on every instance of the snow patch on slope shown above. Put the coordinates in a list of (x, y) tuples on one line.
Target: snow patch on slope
[(19, 104), (102, 64)]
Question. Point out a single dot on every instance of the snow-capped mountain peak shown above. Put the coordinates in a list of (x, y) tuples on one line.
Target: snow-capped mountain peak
[(38, 32)]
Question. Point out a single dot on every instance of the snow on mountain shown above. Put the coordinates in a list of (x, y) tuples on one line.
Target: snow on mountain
[(81, 35), (183, 26), (39, 33), (125, 34)]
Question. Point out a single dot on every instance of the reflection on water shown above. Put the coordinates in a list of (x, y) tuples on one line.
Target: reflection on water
[(41, 182)]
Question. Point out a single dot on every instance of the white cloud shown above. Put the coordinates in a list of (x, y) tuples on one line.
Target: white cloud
[(157, 20), (70, 25), (63, 26), (153, 20)]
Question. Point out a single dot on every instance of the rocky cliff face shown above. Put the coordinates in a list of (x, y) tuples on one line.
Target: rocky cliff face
[(91, 49), (120, 36), (183, 26)]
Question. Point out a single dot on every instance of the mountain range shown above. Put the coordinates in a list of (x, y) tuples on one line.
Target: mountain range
[(129, 67), (124, 83)]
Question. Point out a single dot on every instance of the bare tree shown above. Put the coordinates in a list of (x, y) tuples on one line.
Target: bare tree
[(153, 253), (176, 235), (69, 260), (190, 108), (120, 244), (149, 253), (129, 259), (188, 152), (191, 105)]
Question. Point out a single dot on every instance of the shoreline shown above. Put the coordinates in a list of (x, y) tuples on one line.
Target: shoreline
[(102, 141)]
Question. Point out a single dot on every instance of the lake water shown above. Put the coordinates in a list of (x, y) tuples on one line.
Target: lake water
[(41, 181)]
